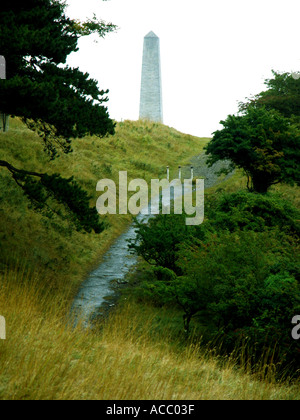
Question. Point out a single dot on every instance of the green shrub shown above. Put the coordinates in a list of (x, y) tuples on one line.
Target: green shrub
[(157, 241), (251, 211), (248, 293)]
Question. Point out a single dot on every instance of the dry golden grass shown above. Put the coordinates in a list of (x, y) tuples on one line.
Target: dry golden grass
[(43, 358)]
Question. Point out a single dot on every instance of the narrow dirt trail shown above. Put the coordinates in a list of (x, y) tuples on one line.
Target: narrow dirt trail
[(118, 260)]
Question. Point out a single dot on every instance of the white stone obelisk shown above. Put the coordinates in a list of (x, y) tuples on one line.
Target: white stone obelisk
[(151, 91)]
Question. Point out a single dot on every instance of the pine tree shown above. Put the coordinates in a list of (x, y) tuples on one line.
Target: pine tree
[(58, 102)]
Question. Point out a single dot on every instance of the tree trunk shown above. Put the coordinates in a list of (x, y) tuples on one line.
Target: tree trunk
[(261, 183), (4, 122), (186, 322)]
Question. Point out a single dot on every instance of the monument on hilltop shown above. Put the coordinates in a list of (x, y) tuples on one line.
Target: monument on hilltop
[(151, 92)]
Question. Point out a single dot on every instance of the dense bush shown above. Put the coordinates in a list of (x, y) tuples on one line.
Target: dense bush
[(238, 271), (250, 293), (252, 211), (157, 241)]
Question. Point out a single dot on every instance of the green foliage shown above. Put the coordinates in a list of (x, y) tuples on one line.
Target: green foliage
[(278, 302), (236, 266), (282, 94), (40, 188), (262, 143), (93, 25), (238, 271), (248, 211), (68, 193), (157, 241)]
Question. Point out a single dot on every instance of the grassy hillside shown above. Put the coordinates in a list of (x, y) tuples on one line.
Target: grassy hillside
[(138, 353), (51, 246)]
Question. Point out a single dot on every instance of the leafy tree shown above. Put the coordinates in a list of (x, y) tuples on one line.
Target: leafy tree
[(282, 94), (57, 101), (261, 142)]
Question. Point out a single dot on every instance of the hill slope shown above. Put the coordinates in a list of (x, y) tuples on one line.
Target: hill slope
[(140, 148), (42, 262)]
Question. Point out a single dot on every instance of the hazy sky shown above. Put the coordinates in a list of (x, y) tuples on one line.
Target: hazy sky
[(214, 53)]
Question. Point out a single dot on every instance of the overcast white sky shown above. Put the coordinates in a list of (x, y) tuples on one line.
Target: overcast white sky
[(214, 53)]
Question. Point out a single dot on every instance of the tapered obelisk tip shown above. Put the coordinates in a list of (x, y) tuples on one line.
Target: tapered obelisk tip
[(151, 35), (151, 91)]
